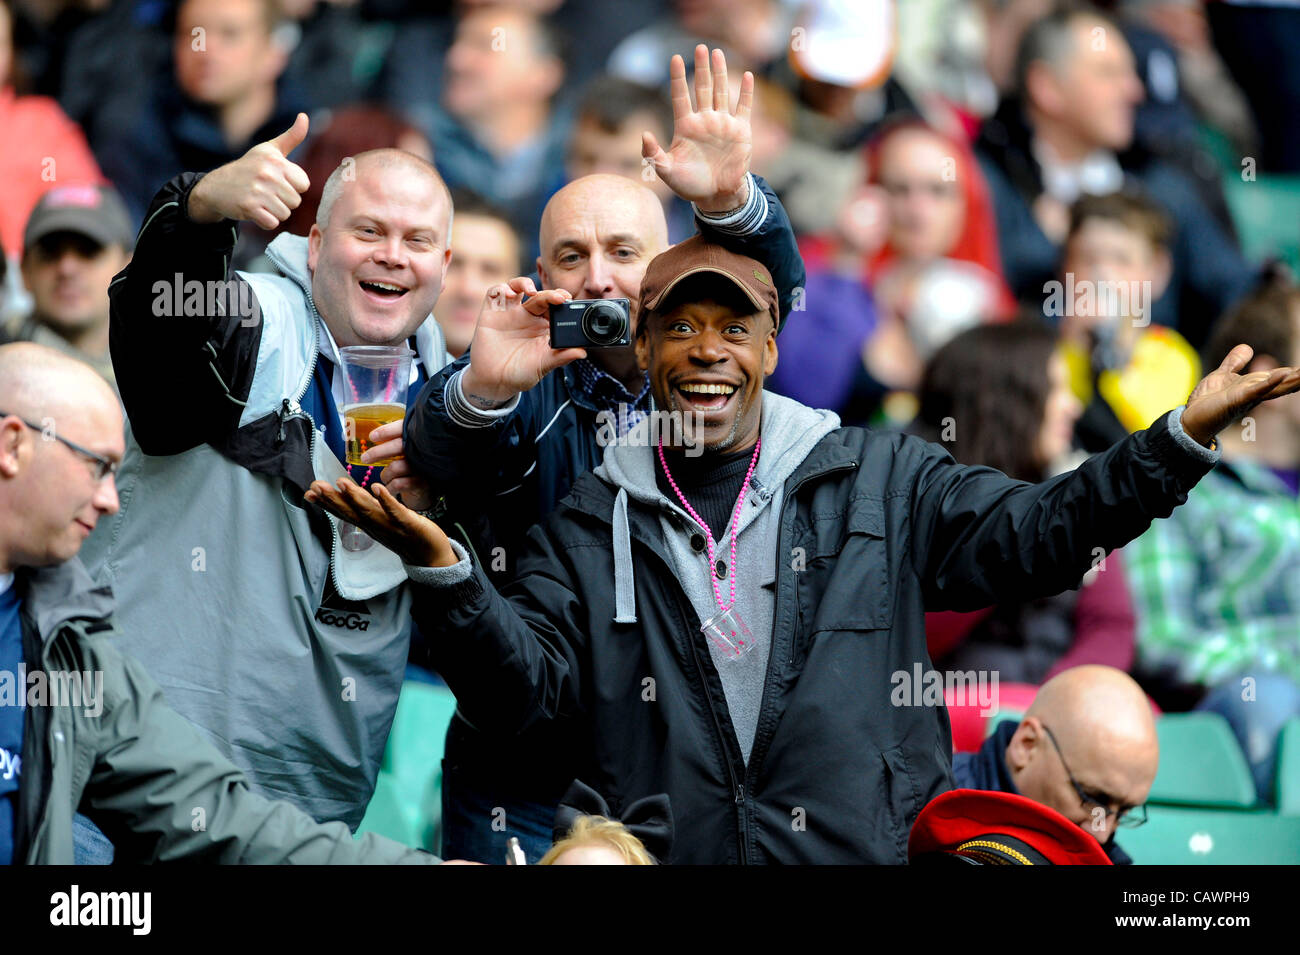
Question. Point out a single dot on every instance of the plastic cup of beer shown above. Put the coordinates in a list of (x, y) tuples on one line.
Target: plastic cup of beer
[(377, 379)]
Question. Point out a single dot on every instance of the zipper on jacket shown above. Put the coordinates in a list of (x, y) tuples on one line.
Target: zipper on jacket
[(755, 753), (737, 789)]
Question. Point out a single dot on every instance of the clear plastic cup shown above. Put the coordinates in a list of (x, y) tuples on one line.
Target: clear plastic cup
[(377, 379)]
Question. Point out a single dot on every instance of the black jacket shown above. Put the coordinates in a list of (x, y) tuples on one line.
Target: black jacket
[(874, 530), (986, 768)]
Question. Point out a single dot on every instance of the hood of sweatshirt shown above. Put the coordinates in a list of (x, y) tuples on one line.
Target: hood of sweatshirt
[(789, 431)]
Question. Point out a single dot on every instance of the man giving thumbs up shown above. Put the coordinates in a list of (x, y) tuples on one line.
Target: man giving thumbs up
[(281, 638)]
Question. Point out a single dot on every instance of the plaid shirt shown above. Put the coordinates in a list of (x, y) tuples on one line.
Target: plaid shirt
[(604, 392), (1216, 585)]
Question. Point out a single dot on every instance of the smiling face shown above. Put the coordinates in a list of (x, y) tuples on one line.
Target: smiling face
[(377, 262), (707, 358), (484, 253)]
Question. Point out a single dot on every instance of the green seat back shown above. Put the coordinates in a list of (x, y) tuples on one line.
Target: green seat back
[(1201, 763)]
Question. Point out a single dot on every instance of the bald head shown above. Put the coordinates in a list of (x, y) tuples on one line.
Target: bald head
[(608, 204), (61, 422), (37, 382), (1102, 723), (370, 161)]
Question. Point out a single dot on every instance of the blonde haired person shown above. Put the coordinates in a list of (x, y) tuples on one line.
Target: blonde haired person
[(586, 832), (595, 840)]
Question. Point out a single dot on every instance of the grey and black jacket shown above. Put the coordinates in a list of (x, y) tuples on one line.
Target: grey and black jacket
[(141, 772), (871, 530), (286, 649)]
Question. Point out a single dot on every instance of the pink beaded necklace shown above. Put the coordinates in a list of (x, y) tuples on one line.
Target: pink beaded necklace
[(708, 537)]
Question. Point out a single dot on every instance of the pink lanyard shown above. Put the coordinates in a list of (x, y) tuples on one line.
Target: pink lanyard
[(708, 537)]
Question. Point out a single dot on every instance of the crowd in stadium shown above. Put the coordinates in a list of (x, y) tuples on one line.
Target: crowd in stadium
[(939, 431)]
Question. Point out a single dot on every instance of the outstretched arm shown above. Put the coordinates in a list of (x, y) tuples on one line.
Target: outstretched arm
[(980, 537)]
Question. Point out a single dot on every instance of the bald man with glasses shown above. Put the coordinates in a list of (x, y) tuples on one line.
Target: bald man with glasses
[(1087, 748)]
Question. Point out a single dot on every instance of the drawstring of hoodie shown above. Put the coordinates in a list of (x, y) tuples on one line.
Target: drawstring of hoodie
[(624, 580)]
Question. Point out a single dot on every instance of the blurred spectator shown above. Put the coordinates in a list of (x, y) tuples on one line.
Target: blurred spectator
[(1126, 370), (223, 101), (1186, 82), (606, 137), (1216, 585), (1087, 748), (1258, 42), (814, 182), (497, 131), (839, 62), (925, 240), (43, 148), (752, 34), (998, 396), (350, 131), (76, 240), (325, 39), (485, 250), (1067, 131)]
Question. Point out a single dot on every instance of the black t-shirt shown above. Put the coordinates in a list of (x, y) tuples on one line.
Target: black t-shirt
[(711, 483)]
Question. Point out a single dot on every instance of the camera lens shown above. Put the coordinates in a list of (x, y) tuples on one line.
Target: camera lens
[(604, 323)]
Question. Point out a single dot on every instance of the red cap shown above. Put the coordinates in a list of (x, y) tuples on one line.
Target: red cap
[(996, 828)]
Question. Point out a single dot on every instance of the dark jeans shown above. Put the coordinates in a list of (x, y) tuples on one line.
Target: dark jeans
[(477, 821)]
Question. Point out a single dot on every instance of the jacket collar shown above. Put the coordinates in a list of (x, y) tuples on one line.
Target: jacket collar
[(55, 595)]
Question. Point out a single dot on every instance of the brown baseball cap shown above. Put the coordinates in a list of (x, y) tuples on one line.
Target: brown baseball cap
[(695, 256)]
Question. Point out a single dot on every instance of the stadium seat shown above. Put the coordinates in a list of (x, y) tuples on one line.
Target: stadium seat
[(407, 804), (1288, 770), (1201, 763), (1267, 215), (1184, 835)]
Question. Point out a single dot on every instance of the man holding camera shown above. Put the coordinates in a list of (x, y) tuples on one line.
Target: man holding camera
[(506, 430), (730, 629)]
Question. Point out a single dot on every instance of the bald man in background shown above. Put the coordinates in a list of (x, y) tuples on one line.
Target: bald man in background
[(280, 634), (137, 768), (1087, 748), (504, 448)]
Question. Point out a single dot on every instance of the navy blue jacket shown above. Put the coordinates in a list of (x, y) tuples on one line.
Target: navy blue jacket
[(986, 768)]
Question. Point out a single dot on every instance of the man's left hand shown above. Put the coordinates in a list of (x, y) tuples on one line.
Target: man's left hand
[(386, 442), (709, 156), (1223, 396)]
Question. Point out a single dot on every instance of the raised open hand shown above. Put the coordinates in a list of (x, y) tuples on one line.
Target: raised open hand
[(511, 350), (1224, 395), (709, 156), (262, 185)]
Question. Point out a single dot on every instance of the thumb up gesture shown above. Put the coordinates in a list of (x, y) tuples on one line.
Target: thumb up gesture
[(262, 185)]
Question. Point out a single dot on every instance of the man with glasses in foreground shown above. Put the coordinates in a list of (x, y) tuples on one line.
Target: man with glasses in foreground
[(1086, 748)]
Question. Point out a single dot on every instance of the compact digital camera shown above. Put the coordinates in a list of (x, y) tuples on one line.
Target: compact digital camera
[(591, 323)]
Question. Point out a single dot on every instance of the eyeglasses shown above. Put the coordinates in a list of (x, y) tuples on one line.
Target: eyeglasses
[(103, 466), (1129, 817)]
